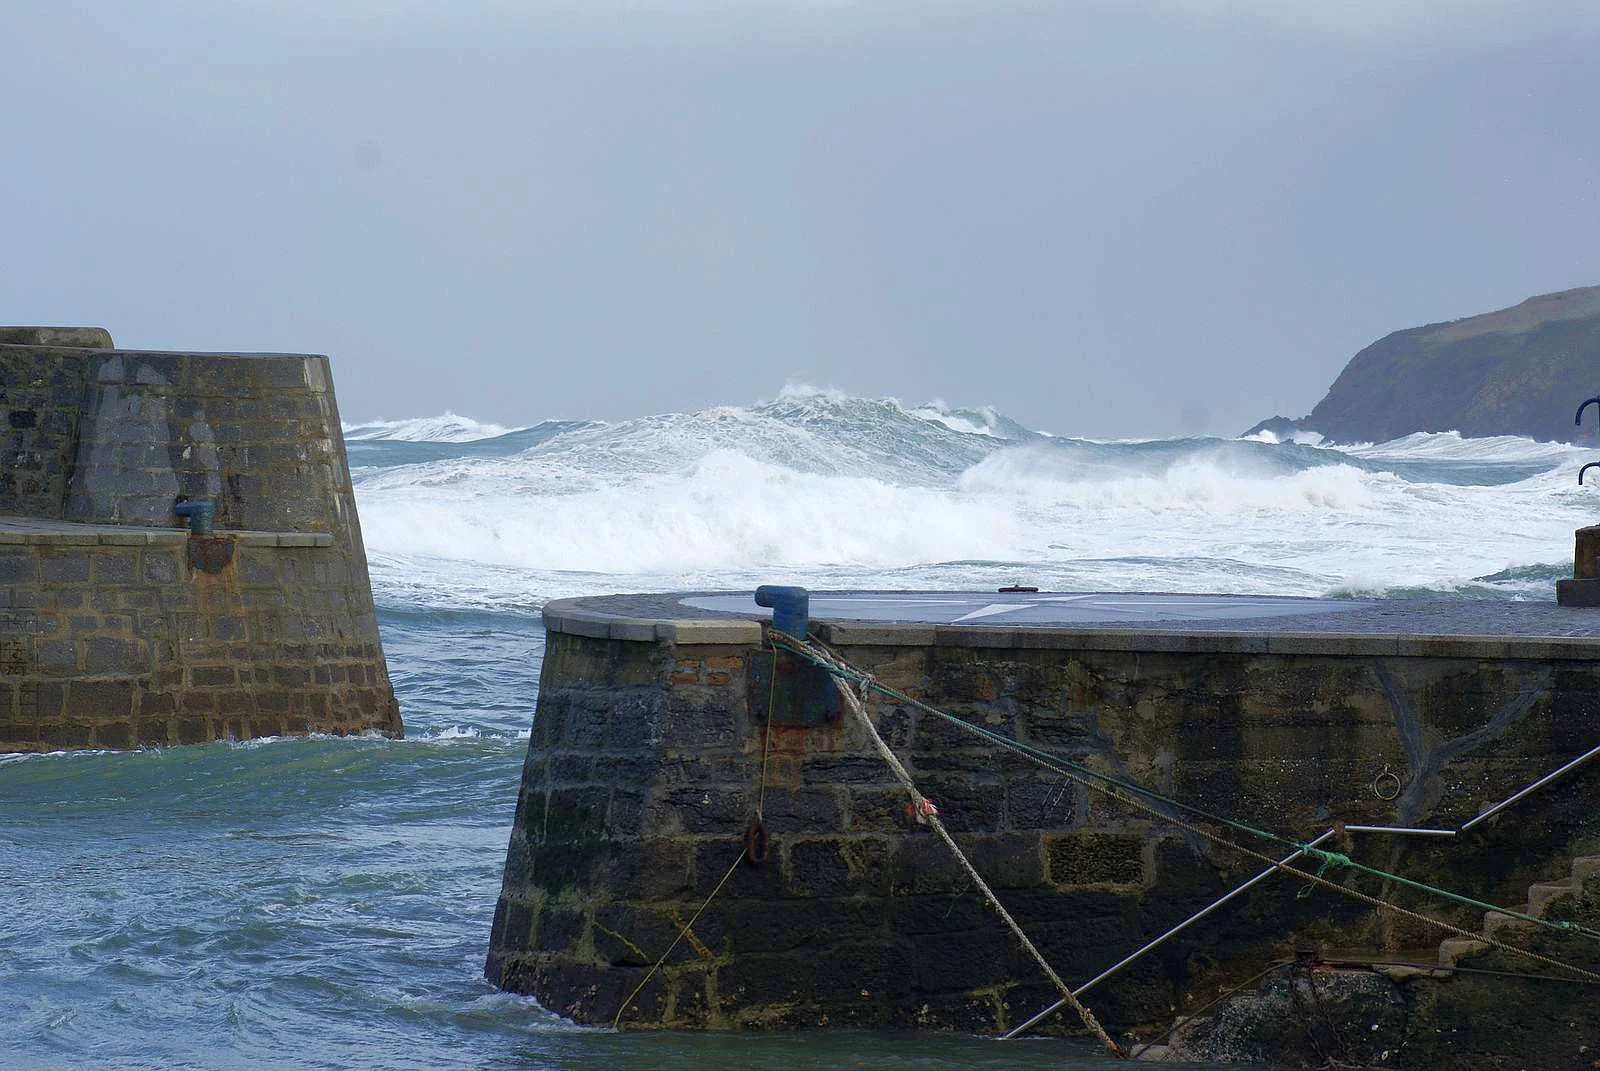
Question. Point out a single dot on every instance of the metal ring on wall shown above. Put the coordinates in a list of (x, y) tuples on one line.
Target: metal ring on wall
[(756, 843), (1383, 782)]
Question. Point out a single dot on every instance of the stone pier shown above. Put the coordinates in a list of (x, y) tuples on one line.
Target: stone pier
[(124, 620), (651, 757)]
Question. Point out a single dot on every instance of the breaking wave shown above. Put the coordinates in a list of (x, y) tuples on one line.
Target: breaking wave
[(824, 488)]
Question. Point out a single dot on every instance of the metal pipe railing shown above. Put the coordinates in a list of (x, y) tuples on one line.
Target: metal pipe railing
[(1291, 857), (1545, 780), (1196, 917)]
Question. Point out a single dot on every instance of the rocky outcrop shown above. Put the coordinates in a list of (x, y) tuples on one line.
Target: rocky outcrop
[(1519, 371)]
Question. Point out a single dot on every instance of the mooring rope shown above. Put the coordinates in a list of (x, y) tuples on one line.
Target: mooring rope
[(1096, 782), (928, 814), (766, 736), (829, 661)]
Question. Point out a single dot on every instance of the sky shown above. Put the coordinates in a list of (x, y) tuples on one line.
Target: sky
[(1107, 219)]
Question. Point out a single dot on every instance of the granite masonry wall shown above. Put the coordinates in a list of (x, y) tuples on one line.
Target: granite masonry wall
[(118, 626), (644, 772)]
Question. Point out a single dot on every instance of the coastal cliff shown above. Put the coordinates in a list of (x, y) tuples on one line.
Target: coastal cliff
[(1518, 371)]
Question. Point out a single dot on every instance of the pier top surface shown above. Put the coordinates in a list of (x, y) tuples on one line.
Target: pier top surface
[(1466, 627)]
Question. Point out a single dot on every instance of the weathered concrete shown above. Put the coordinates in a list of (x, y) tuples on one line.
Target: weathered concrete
[(118, 626), (646, 762)]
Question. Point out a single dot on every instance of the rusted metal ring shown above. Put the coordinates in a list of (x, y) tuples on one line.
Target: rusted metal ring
[(1383, 782), (756, 843)]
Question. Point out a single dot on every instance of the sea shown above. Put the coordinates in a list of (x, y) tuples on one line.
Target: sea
[(326, 902)]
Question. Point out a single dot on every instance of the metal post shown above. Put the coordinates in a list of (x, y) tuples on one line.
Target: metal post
[(1401, 829), (1196, 917)]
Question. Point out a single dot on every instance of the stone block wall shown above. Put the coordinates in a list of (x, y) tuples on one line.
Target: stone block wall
[(118, 627), (645, 768)]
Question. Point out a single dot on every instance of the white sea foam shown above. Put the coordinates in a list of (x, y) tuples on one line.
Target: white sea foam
[(818, 487), (445, 428), (1450, 446)]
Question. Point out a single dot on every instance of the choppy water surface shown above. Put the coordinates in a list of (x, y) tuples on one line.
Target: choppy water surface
[(326, 903)]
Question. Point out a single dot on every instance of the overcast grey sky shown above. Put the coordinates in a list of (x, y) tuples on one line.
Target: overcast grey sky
[(1102, 218)]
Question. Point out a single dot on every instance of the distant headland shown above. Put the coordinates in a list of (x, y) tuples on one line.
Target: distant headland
[(1518, 371)]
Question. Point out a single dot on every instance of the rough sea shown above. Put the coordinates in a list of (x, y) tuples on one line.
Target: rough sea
[(326, 903)]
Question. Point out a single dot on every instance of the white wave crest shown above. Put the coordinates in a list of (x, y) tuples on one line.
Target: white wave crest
[(447, 427), (727, 510), (1450, 446)]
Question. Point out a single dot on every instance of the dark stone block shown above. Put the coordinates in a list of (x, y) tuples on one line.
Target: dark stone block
[(880, 810), (695, 810), (838, 867), (115, 735), (570, 768), (60, 736), (114, 566), (101, 699), (1008, 860), (575, 814), (1095, 858), (954, 912), (655, 869), (715, 860), (581, 864), (853, 770), (922, 864), (19, 735), (193, 730), (64, 569), (753, 980), (101, 655), (213, 676), (591, 994), (764, 925), (56, 657), (625, 815), (560, 928), (808, 810), (161, 567), (627, 936), (966, 804), (1046, 802)]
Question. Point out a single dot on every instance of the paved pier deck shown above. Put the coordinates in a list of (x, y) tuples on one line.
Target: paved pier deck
[(1150, 621)]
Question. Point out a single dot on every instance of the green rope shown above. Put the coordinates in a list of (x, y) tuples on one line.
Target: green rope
[(1335, 860), (1327, 860)]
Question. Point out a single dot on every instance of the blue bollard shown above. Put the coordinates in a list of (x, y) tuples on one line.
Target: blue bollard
[(198, 512), (790, 606)]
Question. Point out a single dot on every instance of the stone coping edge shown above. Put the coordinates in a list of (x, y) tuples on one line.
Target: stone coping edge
[(564, 615), (89, 535)]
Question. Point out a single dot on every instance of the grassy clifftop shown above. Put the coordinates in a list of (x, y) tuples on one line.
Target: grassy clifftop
[(1518, 371)]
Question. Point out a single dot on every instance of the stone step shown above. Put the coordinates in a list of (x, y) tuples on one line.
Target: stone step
[(1452, 949), (1540, 896), (1499, 926), (1585, 867)]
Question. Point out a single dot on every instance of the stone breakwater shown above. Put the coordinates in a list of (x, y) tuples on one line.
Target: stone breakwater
[(650, 757), (124, 624)]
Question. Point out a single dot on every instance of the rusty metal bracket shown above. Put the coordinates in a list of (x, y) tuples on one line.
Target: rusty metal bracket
[(210, 553), (804, 694)]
